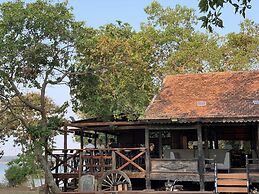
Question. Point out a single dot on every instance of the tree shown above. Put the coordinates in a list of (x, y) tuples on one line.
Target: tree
[(181, 49), (213, 10), (21, 168), (119, 78), (15, 175), (12, 126), (240, 51), (37, 49), (125, 68), (176, 39)]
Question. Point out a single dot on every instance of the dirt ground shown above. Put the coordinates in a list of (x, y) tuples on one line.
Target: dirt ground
[(17, 190)]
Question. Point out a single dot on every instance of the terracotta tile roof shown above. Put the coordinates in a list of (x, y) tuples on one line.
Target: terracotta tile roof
[(211, 95)]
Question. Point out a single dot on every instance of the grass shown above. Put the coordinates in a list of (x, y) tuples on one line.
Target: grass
[(16, 190), (19, 192)]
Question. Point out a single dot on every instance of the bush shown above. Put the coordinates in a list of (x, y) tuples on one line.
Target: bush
[(16, 175)]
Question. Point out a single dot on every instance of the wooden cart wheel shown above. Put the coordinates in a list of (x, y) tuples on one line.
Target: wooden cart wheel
[(114, 180)]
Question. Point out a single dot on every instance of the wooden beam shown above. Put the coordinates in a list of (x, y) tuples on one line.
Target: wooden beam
[(201, 161), (109, 123), (147, 159), (171, 127)]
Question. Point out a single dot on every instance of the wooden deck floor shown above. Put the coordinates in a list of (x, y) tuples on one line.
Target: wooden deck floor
[(142, 192)]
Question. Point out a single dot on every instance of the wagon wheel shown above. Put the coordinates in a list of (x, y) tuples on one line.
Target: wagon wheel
[(114, 180)]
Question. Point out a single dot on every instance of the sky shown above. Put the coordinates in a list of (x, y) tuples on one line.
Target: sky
[(100, 12)]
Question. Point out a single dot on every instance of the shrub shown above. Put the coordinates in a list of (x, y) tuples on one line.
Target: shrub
[(16, 175)]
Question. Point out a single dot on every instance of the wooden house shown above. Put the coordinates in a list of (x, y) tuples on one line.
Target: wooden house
[(194, 121)]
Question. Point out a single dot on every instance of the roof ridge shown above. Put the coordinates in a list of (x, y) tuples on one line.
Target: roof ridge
[(210, 73)]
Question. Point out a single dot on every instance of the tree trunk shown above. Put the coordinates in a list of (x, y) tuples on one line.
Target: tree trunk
[(32, 182), (49, 180)]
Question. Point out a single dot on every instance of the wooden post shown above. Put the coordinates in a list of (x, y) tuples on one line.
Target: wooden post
[(95, 135), (113, 160), (65, 156), (253, 138), (82, 138), (257, 139), (46, 158), (206, 151), (147, 159), (106, 140), (216, 142), (80, 164), (184, 142), (160, 145), (201, 162)]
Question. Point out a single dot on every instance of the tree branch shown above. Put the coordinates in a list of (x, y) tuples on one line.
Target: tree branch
[(58, 80), (19, 95), (18, 117)]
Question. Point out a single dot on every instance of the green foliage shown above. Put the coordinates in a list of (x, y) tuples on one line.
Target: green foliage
[(213, 9), (119, 70), (113, 72), (24, 135), (16, 175), (22, 167), (37, 42)]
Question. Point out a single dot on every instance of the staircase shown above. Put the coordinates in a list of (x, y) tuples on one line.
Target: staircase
[(232, 182)]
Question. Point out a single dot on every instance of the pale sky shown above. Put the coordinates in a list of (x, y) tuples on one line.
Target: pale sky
[(99, 12)]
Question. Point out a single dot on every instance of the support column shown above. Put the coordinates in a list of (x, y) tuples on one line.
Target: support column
[(206, 151), (95, 142), (45, 176), (147, 160), (82, 138), (65, 157), (257, 139), (215, 139), (106, 140), (201, 162), (160, 145)]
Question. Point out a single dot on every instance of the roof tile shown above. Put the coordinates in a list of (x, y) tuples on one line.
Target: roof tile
[(227, 95)]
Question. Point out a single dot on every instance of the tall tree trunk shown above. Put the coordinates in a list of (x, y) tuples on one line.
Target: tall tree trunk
[(49, 179)]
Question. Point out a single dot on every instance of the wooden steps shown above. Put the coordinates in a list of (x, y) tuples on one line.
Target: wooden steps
[(232, 182), (232, 190)]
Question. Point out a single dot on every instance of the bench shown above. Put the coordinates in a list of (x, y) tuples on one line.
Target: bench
[(221, 156)]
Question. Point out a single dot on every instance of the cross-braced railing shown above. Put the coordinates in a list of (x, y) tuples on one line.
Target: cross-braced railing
[(97, 161), (93, 161)]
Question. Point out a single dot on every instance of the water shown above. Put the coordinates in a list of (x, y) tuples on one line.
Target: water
[(3, 167)]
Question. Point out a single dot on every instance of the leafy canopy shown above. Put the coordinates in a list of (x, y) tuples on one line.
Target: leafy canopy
[(117, 77), (213, 9), (37, 50), (124, 68)]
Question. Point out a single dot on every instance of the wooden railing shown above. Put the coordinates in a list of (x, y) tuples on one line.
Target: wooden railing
[(96, 161), (100, 160), (64, 161)]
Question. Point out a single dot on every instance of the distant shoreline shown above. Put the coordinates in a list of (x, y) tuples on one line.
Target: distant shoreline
[(6, 159)]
